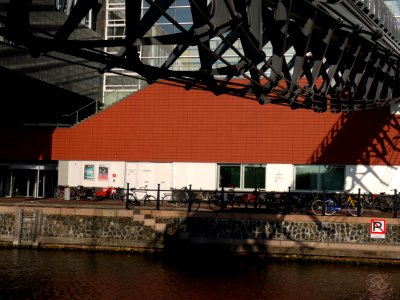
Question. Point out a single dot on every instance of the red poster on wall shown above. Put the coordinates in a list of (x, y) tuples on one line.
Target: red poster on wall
[(103, 173)]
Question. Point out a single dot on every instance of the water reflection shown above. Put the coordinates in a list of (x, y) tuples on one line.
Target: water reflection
[(47, 274)]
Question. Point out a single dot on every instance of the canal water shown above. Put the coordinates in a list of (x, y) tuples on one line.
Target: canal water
[(56, 274)]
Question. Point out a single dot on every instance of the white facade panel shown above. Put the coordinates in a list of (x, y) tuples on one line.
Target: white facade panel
[(91, 173), (279, 177), (163, 175), (199, 175), (63, 172), (149, 175), (374, 179)]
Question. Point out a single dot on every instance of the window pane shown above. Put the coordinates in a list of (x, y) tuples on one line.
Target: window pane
[(254, 177), (229, 176), (332, 178), (306, 177)]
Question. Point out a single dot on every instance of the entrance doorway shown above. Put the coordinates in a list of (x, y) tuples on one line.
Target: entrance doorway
[(28, 181)]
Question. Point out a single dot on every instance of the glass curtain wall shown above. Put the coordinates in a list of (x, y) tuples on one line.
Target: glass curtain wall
[(319, 178), (120, 83)]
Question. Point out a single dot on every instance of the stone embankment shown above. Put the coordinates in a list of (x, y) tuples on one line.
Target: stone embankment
[(118, 229)]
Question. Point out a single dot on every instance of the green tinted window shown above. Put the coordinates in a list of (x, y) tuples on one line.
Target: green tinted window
[(254, 177), (329, 178), (229, 176)]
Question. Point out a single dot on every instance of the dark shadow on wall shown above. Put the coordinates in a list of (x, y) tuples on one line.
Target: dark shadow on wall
[(223, 236), (21, 144), (25, 100), (365, 138)]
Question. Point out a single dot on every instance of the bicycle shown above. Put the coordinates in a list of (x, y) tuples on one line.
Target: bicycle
[(296, 203), (119, 194), (59, 192), (213, 200), (182, 198), (131, 200), (326, 207), (218, 200), (252, 199), (352, 204), (280, 203), (177, 197), (146, 199), (377, 202), (199, 197)]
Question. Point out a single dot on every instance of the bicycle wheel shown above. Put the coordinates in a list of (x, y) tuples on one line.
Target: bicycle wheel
[(214, 202), (131, 202), (166, 199), (316, 207), (149, 199), (176, 201), (352, 207), (118, 196)]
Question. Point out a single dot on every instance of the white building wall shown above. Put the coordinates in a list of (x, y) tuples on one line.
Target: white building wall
[(149, 175), (199, 175), (72, 173), (279, 177), (374, 179)]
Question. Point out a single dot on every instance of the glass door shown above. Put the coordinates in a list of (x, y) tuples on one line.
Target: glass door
[(29, 181)]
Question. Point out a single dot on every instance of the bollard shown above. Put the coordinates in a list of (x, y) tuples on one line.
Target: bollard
[(190, 198), (67, 193), (127, 196), (395, 204), (256, 195), (222, 198), (359, 203), (323, 202), (158, 197)]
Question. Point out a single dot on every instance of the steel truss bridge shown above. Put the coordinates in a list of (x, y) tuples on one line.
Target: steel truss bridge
[(324, 55)]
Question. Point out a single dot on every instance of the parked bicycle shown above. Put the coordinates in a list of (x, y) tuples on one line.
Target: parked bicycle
[(353, 205), (279, 203), (59, 192), (80, 192), (214, 200), (332, 204), (375, 203), (326, 207), (220, 200), (119, 194), (146, 199), (182, 198), (252, 199)]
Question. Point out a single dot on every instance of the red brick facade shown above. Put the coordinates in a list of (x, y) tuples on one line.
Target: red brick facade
[(163, 123)]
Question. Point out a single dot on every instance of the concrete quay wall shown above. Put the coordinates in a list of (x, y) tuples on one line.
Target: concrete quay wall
[(116, 229)]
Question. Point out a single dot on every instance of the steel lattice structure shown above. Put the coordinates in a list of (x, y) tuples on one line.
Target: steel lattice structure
[(325, 55)]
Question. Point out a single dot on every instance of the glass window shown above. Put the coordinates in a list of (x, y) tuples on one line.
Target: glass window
[(254, 177), (229, 175), (242, 176), (306, 178), (332, 178), (328, 178)]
